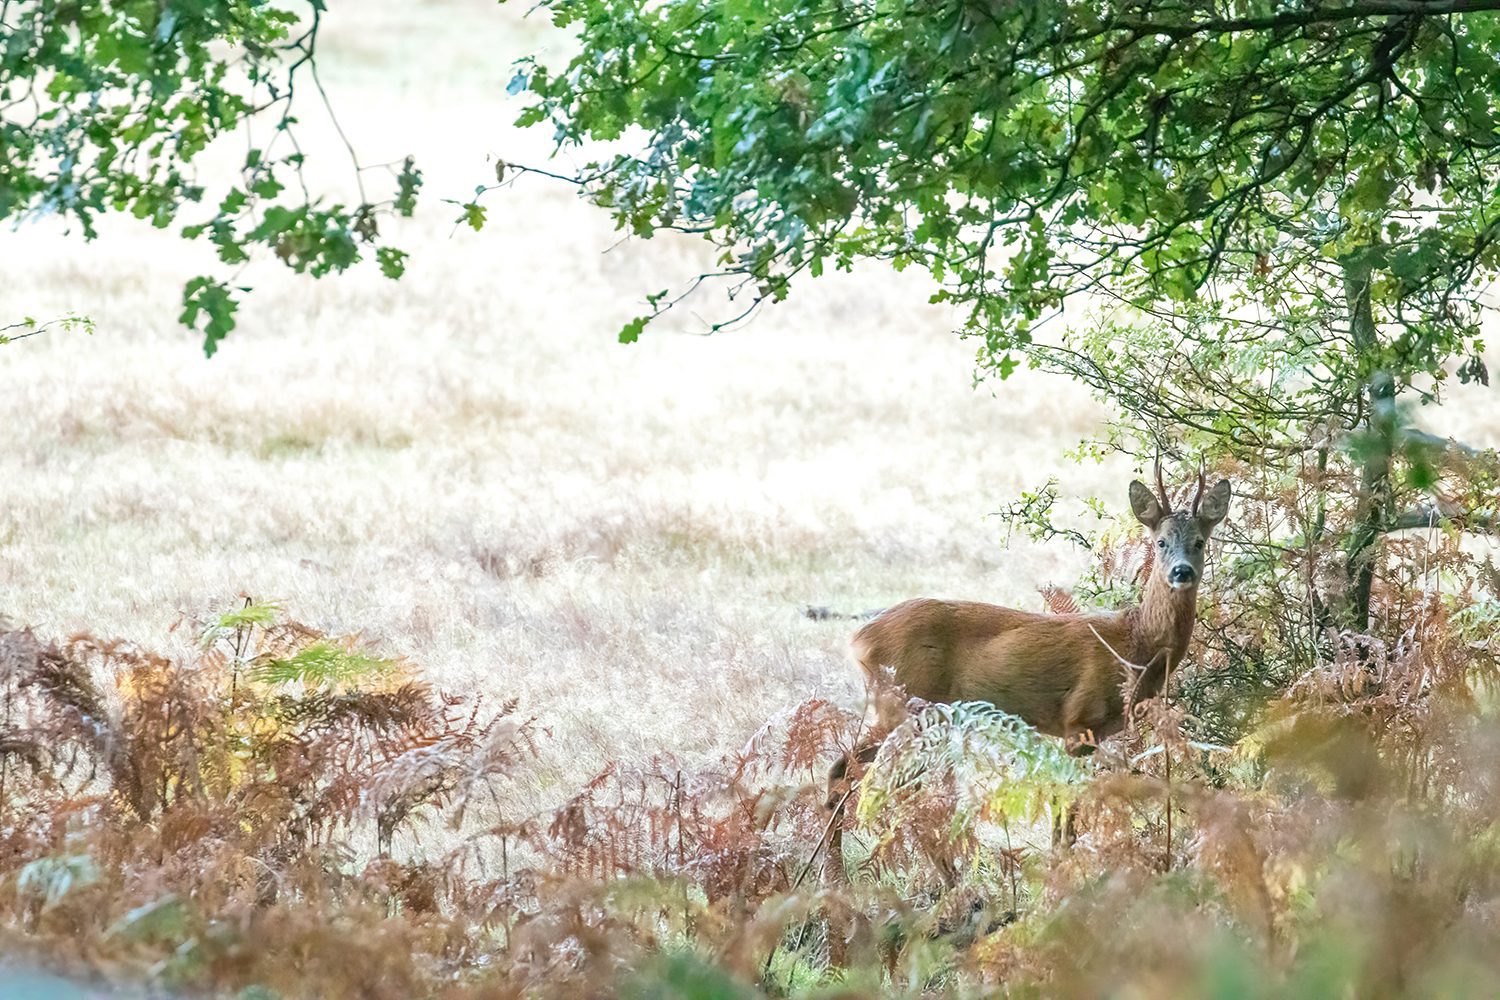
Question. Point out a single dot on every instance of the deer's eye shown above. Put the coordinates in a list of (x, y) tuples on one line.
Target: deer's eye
[(1161, 543), (1199, 546)]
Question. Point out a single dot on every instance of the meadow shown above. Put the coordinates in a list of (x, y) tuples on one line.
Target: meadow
[(578, 573), (466, 468)]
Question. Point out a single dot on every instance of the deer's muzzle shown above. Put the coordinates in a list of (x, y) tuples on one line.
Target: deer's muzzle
[(1182, 575)]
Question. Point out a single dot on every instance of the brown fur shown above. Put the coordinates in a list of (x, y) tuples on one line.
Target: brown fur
[(1054, 671), (1068, 675), (1071, 676)]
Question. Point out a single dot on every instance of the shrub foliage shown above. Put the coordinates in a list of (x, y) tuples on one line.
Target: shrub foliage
[(106, 107), (289, 813)]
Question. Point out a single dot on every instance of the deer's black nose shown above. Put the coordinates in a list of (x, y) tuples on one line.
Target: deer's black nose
[(1182, 573)]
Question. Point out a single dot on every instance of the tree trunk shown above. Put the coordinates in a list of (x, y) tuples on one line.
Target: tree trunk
[(1373, 499)]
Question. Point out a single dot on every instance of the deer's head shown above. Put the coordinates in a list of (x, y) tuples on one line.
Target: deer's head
[(1180, 536)]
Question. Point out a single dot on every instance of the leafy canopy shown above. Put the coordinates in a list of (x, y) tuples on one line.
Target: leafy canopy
[(1216, 174), (106, 107)]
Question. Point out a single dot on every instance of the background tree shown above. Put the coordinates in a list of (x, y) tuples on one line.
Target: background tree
[(1265, 226), (106, 106)]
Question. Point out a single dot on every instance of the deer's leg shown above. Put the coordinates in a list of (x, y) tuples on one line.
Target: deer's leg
[(1085, 723), (841, 787), (947, 867), (843, 781), (1085, 719), (1064, 826), (840, 781)]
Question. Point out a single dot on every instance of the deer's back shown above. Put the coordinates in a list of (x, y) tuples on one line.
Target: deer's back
[(1024, 663)]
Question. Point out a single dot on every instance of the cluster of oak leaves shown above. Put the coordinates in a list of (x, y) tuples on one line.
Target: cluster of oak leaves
[(280, 813)]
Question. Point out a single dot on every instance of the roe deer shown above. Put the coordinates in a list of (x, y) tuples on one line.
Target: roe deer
[(1066, 674)]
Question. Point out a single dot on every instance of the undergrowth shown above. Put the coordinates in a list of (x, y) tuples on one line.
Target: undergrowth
[(288, 813)]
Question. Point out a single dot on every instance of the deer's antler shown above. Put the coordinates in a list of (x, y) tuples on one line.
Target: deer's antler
[(1198, 497), (1166, 501)]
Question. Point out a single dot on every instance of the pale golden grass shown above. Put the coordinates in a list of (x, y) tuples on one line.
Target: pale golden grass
[(465, 467)]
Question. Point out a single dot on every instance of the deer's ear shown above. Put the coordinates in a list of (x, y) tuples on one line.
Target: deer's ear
[(1144, 504), (1215, 505)]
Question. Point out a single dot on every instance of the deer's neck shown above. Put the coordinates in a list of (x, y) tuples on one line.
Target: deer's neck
[(1161, 628)]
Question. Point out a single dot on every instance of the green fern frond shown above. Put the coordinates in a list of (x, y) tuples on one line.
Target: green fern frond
[(1000, 766), (252, 614), (52, 878), (264, 613), (324, 664)]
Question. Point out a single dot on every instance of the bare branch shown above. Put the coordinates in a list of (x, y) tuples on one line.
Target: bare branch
[(1448, 446), (1429, 515)]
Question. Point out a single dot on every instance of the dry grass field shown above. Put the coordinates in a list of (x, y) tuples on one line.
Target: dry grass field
[(466, 467), (606, 554)]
